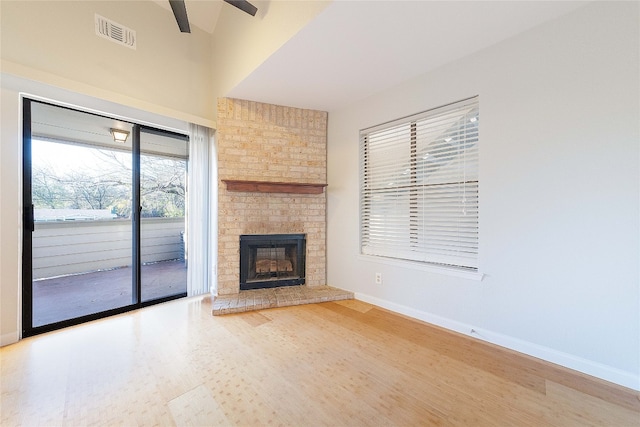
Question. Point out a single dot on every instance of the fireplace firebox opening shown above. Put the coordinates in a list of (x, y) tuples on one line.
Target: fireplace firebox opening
[(272, 260)]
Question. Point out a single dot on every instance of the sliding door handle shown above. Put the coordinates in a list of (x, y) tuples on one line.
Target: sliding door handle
[(29, 218)]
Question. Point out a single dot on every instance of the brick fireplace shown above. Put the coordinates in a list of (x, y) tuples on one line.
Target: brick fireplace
[(271, 172)]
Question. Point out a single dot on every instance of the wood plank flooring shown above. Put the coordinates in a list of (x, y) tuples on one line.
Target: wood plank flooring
[(342, 363)]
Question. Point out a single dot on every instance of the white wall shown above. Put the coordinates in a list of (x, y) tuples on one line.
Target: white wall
[(10, 221), (54, 42), (559, 195)]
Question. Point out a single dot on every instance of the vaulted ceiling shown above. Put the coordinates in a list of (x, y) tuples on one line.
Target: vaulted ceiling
[(202, 13), (354, 49)]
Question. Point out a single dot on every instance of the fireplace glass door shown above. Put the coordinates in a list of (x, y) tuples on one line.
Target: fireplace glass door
[(271, 260)]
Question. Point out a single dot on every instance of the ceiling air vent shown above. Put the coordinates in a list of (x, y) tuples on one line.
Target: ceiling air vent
[(115, 32)]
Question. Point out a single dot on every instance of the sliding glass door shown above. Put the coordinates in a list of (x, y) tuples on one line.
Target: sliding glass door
[(163, 186), (104, 216)]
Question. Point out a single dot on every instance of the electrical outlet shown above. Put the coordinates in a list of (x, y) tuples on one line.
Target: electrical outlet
[(378, 278)]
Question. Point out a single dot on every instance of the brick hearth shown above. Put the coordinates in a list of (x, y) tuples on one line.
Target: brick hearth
[(259, 299)]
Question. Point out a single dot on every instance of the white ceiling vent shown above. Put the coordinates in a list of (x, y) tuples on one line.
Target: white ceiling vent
[(115, 32)]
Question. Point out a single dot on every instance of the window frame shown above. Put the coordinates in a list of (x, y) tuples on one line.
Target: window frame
[(414, 236)]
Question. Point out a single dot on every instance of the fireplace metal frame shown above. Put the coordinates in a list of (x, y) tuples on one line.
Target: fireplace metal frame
[(248, 241)]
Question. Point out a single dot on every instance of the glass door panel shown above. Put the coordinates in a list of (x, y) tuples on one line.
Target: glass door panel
[(163, 190), (81, 191)]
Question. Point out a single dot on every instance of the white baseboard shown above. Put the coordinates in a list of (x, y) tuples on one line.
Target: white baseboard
[(607, 373), (9, 338)]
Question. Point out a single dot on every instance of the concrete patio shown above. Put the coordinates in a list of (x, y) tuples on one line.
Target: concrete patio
[(67, 297)]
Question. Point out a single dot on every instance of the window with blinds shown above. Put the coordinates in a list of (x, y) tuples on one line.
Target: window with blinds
[(419, 187)]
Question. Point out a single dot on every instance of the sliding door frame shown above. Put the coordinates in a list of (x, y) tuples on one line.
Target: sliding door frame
[(29, 226)]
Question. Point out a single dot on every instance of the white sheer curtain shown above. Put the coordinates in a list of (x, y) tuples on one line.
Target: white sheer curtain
[(201, 213)]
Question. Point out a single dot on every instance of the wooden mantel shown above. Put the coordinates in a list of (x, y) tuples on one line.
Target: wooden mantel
[(274, 187)]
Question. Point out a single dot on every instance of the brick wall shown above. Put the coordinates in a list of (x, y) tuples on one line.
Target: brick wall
[(263, 142)]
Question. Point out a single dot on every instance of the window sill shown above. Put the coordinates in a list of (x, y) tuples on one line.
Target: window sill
[(447, 271)]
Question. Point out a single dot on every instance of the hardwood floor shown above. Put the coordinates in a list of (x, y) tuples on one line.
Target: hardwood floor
[(343, 363)]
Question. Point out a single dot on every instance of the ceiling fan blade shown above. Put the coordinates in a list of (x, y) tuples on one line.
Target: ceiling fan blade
[(244, 6), (180, 12)]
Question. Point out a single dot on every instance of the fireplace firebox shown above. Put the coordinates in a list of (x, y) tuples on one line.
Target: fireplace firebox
[(271, 260)]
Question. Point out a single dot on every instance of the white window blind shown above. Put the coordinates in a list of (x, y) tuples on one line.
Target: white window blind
[(419, 187)]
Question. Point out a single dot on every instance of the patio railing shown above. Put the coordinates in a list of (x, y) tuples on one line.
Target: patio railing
[(68, 247)]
